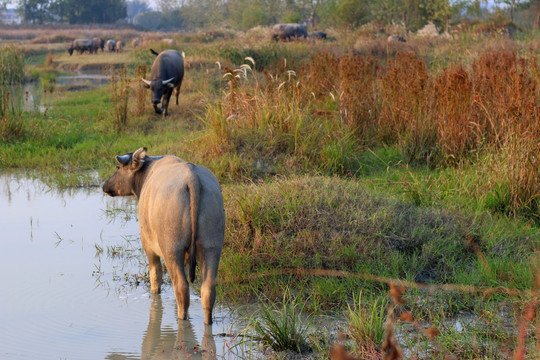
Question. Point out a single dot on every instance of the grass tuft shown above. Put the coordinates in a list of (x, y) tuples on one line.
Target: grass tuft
[(366, 323), (281, 327)]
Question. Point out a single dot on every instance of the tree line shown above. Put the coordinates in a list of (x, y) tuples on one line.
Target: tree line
[(245, 14), (71, 11)]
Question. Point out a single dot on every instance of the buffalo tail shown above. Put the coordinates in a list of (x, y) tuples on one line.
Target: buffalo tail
[(194, 187)]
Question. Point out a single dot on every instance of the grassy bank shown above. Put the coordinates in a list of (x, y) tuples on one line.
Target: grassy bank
[(347, 166)]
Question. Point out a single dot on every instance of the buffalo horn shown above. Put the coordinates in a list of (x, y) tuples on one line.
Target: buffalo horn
[(165, 82), (146, 81), (122, 159)]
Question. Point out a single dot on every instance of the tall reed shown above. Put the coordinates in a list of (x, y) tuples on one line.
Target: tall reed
[(119, 90), (11, 65), (141, 94), (11, 108)]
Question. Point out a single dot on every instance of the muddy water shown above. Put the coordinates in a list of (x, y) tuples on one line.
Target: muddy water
[(67, 290)]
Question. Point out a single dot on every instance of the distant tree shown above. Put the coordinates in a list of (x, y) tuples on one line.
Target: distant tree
[(536, 8), (135, 7), (172, 19), (246, 14), (199, 14), (149, 20), (35, 11), (511, 4), (532, 8), (293, 12), (354, 12), (253, 16), (90, 12), (327, 12), (167, 5), (440, 12)]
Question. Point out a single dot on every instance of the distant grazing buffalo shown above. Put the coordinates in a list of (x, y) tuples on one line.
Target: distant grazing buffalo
[(136, 42), (166, 75), (168, 41), (119, 46), (287, 32), (181, 218), (110, 45), (321, 35), (81, 45), (99, 43), (395, 38)]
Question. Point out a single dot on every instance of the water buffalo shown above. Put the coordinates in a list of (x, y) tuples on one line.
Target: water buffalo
[(110, 45), (81, 45), (321, 35), (136, 42), (395, 38), (99, 43), (119, 46), (181, 218), (288, 32), (166, 75)]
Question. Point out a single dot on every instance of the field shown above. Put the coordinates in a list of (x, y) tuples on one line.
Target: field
[(392, 185)]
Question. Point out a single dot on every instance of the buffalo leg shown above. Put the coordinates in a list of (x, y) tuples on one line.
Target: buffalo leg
[(155, 272), (166, 105), (180, 284), (208, 287), (177, 93)]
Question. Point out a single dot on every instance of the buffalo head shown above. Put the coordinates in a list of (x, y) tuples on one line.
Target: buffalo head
[(124, 181), (158, 88)]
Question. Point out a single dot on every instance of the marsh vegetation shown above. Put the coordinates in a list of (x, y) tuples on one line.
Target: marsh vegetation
[(349, 167)]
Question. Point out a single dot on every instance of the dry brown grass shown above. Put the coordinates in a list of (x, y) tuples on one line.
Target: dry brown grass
[(446, 117), (66, 33), (140, 92)]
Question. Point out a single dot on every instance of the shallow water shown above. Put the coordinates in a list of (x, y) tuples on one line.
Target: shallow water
[(83, 81), (66, 263), (27, 97), (30, 96)]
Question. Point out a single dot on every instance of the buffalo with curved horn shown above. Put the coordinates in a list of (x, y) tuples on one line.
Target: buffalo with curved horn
[(166, 75)]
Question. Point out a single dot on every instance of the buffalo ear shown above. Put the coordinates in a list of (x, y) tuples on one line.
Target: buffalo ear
[(138, 158), (170, 85)]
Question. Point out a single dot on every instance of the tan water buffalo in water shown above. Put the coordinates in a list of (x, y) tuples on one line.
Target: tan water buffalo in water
[(181, 217)]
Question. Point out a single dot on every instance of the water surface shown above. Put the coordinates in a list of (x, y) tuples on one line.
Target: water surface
[(69, 265)]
